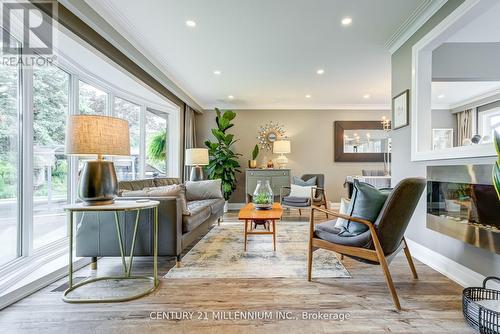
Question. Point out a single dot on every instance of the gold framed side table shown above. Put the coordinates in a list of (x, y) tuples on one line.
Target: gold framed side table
[(116, 207)]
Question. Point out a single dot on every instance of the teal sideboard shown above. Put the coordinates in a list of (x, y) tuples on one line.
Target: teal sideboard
[(277, 178)]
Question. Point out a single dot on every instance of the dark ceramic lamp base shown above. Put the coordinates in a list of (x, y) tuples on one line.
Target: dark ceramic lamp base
[(98, 184)]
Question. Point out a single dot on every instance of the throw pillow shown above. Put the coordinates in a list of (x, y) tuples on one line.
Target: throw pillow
[(366, 203), (298, 181), (177, 190), (196, 190), (133, 193), (344, 206), (301, 191)]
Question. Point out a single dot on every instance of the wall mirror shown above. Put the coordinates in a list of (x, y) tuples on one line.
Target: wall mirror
[(360, 141), (456, 84)]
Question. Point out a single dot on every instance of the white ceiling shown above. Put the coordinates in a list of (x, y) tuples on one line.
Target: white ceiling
[(268, 50), (446, 95)]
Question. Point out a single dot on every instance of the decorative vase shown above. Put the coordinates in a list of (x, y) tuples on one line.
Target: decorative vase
[(263, 196), (252, 163)]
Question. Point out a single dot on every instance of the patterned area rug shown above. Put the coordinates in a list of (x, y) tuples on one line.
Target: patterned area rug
[(220, 255)]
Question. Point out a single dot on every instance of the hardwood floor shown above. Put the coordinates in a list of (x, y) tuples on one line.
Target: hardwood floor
[(431, 304)]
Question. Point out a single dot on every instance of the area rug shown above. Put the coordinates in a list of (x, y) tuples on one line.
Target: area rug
[(220, 255)]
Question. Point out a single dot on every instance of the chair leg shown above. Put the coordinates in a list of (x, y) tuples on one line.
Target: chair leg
[(178, 261), (342, 257), (385, 269), (300, 212), (410, 260), (309, 260)]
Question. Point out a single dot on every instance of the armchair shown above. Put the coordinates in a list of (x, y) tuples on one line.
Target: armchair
[(383, 239), (317, 198)]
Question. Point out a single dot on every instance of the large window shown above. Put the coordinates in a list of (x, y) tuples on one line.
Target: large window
[(489, 121), (50, 165), (92, 100), (10, 137), (128, 168), (156, 143)]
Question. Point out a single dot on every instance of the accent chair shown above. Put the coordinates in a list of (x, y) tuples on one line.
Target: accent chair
[(317, 198)]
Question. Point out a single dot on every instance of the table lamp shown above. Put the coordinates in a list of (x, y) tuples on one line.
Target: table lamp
[(196, 157), (281, 147), (92, 135)]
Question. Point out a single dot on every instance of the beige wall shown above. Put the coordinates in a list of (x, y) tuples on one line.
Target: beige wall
[(311, 134)]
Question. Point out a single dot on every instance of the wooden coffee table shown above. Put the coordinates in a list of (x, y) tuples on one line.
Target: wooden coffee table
[(260, 217)]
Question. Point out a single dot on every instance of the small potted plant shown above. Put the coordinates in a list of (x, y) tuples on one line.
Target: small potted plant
[(253, 163), (263, 197)]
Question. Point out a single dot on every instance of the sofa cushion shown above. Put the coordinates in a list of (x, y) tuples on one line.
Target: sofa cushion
[(216, 204), (177, 190), (166, 181), (197, 190), (366, 203), (199, 212), (133, 193), (298, 181)]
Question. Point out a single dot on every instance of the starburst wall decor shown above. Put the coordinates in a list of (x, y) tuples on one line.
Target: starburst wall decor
[(269, 133)]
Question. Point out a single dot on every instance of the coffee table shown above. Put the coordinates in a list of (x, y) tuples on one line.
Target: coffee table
[(266, 217)]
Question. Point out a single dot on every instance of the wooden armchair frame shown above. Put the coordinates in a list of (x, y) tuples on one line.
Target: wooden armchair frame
[(376, 255)]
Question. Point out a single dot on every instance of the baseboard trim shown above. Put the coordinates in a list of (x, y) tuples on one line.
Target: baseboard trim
[(451, 269), (235, 206)]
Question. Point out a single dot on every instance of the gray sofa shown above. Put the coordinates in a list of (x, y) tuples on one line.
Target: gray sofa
[(96, 234)]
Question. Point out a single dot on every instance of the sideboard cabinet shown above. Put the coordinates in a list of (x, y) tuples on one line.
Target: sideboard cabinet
[(277, 178)]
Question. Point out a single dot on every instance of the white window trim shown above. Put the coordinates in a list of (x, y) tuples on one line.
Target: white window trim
[(421, 146)]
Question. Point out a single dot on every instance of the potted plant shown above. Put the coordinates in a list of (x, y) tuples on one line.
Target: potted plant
[(496, 167), (223, 164), (253, 163)]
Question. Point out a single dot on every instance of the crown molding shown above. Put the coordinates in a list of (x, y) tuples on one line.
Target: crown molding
[(364, 107), (413, 22)]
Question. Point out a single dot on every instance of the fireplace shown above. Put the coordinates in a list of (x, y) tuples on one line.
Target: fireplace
[(462, 203)]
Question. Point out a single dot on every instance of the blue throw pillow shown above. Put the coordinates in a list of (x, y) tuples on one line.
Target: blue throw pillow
[(298, 181), (366, 203)]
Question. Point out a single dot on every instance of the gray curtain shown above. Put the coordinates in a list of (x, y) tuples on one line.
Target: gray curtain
[(464, 122), (189, 134)]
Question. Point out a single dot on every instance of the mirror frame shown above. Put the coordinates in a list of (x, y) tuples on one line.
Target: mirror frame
[(340, 156)]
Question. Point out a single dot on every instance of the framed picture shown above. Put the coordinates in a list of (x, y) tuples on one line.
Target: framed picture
[(400, 110), (442, 138)]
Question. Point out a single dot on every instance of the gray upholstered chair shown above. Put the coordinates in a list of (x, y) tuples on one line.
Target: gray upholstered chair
[(383, 239), (317, 198)]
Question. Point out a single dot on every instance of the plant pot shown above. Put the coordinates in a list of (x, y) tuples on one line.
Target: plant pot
[(252, 163)]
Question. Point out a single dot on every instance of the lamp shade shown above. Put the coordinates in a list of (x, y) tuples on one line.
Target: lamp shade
[(97, 135), (196, 157), (281, 146)]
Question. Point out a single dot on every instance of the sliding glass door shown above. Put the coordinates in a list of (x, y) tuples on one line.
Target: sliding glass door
[(50, 164), (10, 160)]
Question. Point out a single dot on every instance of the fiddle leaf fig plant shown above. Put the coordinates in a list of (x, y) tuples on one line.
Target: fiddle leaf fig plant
[(496, 167), (223, 161)]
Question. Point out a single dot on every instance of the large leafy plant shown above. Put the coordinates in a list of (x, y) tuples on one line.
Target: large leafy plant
[(223, 164), (496, 167)]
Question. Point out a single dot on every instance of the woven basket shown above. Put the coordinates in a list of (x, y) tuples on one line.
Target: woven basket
[(481, 318)]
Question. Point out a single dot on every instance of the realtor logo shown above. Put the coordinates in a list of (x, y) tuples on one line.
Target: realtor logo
[(37, 32)]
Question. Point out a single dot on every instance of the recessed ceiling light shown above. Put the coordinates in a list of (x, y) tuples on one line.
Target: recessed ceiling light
[(191, 23), (308, 96), (217, 72), (230, 97), (440, 96), (346, 21), (320, 71), (366, 96)]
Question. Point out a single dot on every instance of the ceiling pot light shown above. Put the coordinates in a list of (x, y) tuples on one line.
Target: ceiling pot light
[(366, 96), (346, 21), (440, 96), (217, 72), (230, 97), (320, 71), (308, 96), (191, 23)]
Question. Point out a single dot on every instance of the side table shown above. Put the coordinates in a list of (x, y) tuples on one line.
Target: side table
[(117, 206)]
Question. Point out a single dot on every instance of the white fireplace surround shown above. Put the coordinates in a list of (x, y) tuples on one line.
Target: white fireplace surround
[(421, 86)]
